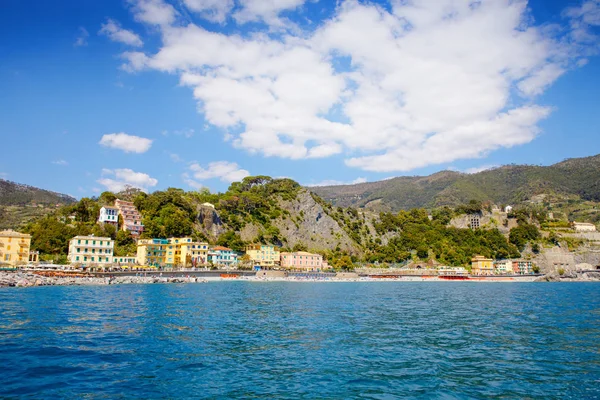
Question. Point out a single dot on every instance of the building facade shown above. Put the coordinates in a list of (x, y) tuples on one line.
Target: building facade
[(302, 260), (152, 252), (186, 252), (109, 215), (503, 266), (219, 255), (264, 255), (132, 219), (522, 267), (15, 248), (584, 227), (91, 250), (481, 265)]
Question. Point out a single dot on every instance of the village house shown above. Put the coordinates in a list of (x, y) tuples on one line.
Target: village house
[(522, 267), (303, 260), (109, 215), (15, 248), (263, 255), (132, 219), (481, 265), (91, 250), (219, 255)]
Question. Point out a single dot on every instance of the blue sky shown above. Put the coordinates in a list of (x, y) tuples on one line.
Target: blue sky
[(191, 93)]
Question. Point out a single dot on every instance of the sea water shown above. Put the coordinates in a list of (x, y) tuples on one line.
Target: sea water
[(379, 340)]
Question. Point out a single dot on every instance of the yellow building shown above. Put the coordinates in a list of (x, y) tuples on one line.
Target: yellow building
[(264, 255), (152, 251), (186, 252), (15, 248), (482, 266)]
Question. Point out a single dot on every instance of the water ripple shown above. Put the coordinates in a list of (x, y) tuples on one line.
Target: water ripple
[(299, 340)]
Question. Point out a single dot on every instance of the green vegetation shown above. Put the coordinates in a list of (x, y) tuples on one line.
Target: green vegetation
[(510, 184)]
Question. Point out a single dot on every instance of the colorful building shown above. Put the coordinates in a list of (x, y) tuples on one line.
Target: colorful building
[(522, 267), (303, 260), (15, 248), (132, 219), (219, 255), (186, 252), (264, 255), (91, 250), (152, 252), (503, 266), (109, 215), (481, 265)]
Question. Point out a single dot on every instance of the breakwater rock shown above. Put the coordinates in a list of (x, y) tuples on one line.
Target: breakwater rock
[(27, 279), (571, 276)]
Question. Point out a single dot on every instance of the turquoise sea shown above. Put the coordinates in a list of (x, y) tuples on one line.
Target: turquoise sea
[(285, 340)]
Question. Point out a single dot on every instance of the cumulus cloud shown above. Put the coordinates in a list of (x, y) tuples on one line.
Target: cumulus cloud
[(81, 37), (125, 142), (212, 10), (333, 182), (398, 88), (267, 11), (224, 170), (60, 162), (113, 30), (187, 133), (116, 180), (154, 12)]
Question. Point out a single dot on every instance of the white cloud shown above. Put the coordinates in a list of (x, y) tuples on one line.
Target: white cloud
[(82, 37), (267, 11), (60, 162), (394, 89), (223, 170), (125, 142), (212, 10), (482, 168), (333, 182), (155, 12), (113, 30), (116, 180)]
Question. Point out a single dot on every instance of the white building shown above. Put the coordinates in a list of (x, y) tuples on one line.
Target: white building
[(208, 205), (584, 227), (91, 250), (503, 266), (109, 215), (508, 209)]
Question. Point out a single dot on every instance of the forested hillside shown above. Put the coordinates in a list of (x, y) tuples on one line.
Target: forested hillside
[(22, 203), (504, 185), (261, 209)]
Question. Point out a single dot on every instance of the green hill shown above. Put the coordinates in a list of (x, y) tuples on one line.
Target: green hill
[(508, 184), (21, 203)]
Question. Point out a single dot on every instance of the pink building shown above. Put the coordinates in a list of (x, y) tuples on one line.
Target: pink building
[(132, 219), (303, 260)]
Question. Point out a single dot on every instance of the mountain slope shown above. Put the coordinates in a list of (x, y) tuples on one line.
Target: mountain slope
[(507, 184), (22, 203)]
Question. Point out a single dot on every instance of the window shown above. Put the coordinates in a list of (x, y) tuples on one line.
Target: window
[(92, 258), (79, 242), (77, 258)]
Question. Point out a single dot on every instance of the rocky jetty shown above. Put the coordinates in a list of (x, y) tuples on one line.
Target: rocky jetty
[(27, 279), (571, 276)]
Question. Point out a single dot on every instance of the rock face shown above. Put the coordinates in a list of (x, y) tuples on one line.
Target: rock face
[(495, 219), (310, 225), (209, 221)]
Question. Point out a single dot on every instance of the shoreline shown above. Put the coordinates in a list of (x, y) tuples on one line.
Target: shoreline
[(29, 279)]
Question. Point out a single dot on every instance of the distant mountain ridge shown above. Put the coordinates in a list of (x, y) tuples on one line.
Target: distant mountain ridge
[(13, 194), (503, 185)]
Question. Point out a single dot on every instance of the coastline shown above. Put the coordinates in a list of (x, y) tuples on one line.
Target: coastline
[(29, 279)]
